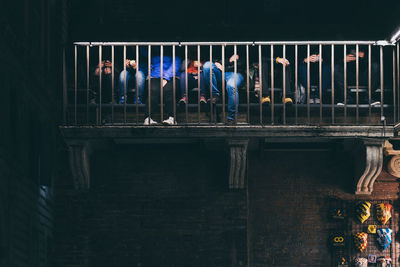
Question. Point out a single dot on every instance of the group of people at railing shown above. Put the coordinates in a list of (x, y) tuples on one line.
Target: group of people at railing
[(234, 67)]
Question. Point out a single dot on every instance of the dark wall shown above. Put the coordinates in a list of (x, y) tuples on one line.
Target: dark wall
[(153, 206)]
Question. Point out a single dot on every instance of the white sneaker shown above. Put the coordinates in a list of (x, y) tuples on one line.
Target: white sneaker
[(376, 103), (311, 100), (340, 104), (169, 121), (316, 100), (149, 121)]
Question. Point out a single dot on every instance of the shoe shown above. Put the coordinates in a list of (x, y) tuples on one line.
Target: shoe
[(214, 99), (230, 121), (183, 101), (375, 103), (311, 100), (340, 104), (265, 100), (316, 101), (149, 121), (169, 121), (288, 101), (202, 100), (122, 100), (139, 101)]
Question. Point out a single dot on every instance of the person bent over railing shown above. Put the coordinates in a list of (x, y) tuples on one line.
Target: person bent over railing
[(278, 77), (167, 85), (105, 68), (193, 77), (131, 75), (216, 76)]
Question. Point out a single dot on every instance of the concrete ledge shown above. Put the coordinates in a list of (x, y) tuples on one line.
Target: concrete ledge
[(223, 131)]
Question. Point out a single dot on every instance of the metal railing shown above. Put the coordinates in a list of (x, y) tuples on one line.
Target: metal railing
[(262, 63)]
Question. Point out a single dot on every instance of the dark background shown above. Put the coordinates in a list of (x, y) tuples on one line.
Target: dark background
[(213, 20)]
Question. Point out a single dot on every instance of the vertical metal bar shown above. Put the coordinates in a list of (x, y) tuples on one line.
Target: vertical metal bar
[(223, 84), (345, 82), (162, 82), (284, 85), (369, 83), (357, 83), (112, 84), (260, 80), (332, 83), (320, 83), (186, 83), (394, 86), (137, 83), (248, 83), (173, 83), (76, 86), (272, 84), (198, 83), (149, 81), (87, 83), (381, 76), (296, 79), (100, 81), (235, 80), (125, 94), (308, 83), (211, 95), (398, 80)]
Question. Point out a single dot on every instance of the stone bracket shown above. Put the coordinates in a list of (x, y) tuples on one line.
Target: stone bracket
[(238, 163), (79, 155), (373, 166), (393, 159)]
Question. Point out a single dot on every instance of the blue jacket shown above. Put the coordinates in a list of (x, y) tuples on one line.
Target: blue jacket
[(168, 71)]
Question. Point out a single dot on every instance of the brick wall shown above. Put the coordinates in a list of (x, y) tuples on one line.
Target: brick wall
[(152, 206)]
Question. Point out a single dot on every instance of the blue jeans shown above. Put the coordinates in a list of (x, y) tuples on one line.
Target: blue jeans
[(314, 77), (230, 85), (131, 80)]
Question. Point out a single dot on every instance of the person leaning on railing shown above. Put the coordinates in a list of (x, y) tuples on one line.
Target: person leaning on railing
[(351, 76), (216, 75), (131, 75), (106, 81), (278, 77), (193, 77), (314, 60), (167, 84)]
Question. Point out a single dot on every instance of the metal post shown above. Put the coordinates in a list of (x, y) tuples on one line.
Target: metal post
[(320, 83), (100, 82), (87, 83), (112, 84), (272, 84), (398, 79), (65, 89), (248, 83), (125, 74), (394, 86), (308, 84), (137, 84), (198, 83), (186, 83), (76, 86), (149, 81), (161, 82), (235, 80), (369, 83), (345, 83), (284, 85), (223, 84), (260, 80), (333, 83), (296, 80), (357, 83), (381, 76), (211, 95), (173, 82)]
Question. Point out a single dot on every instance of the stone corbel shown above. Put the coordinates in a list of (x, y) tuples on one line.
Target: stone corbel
[(238, 163), (393, 159), (373, 166), (79, 155)]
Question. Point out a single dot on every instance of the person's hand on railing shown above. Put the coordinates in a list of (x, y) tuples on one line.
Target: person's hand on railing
[(164, 82), (352, 57), (282, 61), (130, 63), (219, 66), (196, 64), (313, 58), (233, 58)]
